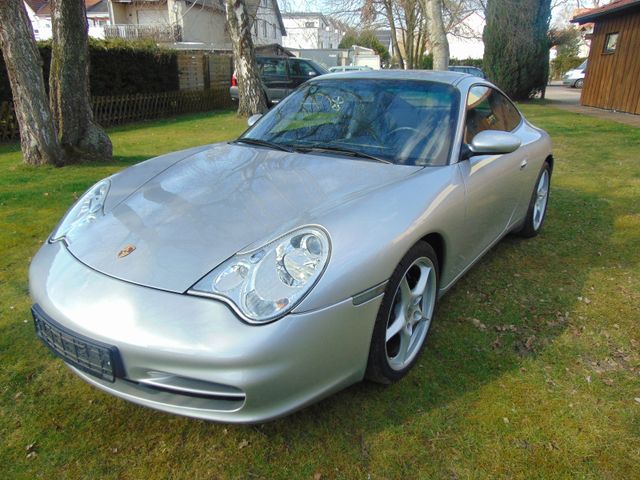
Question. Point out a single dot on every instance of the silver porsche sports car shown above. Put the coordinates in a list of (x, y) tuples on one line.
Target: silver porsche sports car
[(241, 281)]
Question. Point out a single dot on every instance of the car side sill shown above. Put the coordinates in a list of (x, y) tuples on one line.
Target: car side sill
[(508, 230)]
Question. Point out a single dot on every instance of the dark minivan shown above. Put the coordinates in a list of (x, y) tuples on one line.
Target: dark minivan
[(281, 75)]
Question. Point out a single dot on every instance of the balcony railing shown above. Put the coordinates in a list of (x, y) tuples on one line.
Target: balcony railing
[(157, 33)]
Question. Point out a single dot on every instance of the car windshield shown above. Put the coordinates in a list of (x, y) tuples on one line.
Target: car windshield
[(400, 121), (583, 65)]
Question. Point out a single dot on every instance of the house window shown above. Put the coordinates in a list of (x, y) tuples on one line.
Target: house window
[(275, 32), (310, 24), (611, 42), (255, 28), (264, 28)]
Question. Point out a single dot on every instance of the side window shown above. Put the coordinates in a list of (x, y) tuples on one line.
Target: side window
[(301, 69), (273, 67), (488, 109)]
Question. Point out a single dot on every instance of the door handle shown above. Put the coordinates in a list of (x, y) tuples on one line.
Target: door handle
[(523, 164)]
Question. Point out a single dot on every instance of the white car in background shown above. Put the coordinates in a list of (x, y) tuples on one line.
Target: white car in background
[(575, 78)]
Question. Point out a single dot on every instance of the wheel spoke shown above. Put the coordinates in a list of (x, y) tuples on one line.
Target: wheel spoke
[(397, 325), (405, 292), (405, 341), (421, 285)]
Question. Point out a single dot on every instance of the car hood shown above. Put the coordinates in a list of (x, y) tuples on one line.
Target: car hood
[(201, 210)]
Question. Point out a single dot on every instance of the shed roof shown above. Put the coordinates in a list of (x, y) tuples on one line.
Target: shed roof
[(615, 7)]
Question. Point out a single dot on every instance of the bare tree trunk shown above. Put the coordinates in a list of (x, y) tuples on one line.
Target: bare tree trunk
[(80, 136), (437, 35), (251, 96), (394, 33), (38, 137)]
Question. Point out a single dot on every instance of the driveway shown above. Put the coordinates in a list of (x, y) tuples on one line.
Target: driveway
[(558, 93), (568, 98)]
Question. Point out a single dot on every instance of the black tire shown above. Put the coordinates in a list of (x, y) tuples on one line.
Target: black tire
[(528, 228), (378, 368), (579, 83)]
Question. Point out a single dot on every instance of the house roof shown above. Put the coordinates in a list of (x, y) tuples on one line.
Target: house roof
[(92, 6), (615, 7), (35, 5)]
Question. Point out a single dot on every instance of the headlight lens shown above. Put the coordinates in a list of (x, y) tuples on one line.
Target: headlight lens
[(84, 211), (266, 283)]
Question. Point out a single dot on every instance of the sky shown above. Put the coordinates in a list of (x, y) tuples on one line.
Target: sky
[(459, 48)]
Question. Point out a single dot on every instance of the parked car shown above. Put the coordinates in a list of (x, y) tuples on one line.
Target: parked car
[(349, 68), (281, 75), (241, 281), (575, 78), (475, 71)]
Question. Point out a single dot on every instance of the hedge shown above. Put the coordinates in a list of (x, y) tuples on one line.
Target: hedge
[(468, 62), (117, 67)]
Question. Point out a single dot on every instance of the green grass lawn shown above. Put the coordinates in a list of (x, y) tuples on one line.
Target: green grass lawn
[(531, 371)]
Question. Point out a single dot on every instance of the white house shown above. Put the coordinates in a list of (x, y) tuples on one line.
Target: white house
[(39, 12), (190, 23), (311, 31)]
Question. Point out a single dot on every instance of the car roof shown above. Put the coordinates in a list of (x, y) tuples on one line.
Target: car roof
[(446, 76)]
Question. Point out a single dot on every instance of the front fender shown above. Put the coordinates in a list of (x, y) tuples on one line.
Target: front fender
[(371, 234)]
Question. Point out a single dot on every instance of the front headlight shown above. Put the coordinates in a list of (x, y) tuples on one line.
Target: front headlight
[(266, 283), (88, 207)]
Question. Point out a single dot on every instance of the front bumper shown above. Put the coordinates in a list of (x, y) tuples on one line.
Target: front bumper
[(192, 356)]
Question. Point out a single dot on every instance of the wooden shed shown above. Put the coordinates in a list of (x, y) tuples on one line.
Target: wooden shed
[(612, 79)]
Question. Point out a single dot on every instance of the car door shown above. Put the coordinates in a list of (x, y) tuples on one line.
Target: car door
[(492, 182), (300, 71), (273, 71)]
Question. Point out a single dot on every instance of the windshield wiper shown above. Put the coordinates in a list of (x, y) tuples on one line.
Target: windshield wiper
[(341, 150), (264, 143)]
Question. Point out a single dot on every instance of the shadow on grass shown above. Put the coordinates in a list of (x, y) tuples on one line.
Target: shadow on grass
[(529, 284)]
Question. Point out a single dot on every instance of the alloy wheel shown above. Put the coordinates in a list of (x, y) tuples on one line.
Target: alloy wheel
[(540, 203), (411, 313)]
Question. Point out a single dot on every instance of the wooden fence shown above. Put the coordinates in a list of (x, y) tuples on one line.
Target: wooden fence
[(8, 123), (120, 109)]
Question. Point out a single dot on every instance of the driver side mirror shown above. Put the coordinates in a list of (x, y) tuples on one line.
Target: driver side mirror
[(253, 119), (491, 142)]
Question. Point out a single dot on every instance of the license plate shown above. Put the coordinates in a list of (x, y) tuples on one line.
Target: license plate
[(90, 356)]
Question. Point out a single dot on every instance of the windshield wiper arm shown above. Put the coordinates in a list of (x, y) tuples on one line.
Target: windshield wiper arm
[(344, 151), (264, 143)]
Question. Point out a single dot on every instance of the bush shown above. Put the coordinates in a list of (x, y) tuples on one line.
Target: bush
[(117, 67), (562, 64), (426, 62), (468, 62)]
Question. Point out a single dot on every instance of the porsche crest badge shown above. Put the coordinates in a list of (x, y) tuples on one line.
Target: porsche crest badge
[(126, 250)]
